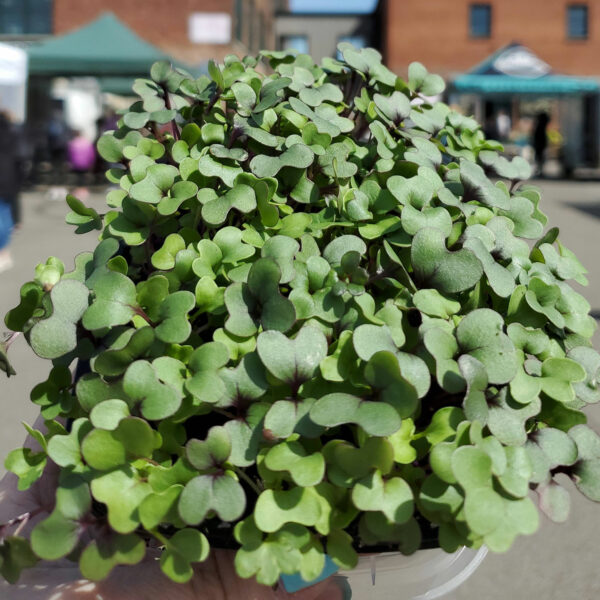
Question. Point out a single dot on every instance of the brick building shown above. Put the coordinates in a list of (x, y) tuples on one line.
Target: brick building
[(190, 30), (451, 37)]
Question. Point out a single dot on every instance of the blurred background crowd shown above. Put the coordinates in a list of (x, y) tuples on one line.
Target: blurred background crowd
[(529, 71)]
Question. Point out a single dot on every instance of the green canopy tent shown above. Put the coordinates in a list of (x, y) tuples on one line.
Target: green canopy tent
[(105, 48)]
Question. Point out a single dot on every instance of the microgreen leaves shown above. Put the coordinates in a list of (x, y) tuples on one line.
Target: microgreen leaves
[(312, 321)]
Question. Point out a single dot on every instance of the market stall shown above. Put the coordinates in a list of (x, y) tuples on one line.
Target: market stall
[(513, 86), (74, 80)]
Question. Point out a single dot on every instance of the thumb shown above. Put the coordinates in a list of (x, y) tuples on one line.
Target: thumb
[(334, 588)]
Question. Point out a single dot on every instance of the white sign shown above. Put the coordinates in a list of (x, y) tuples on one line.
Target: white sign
[(13, 64), (521, 62), (13, 81), (209, 28)]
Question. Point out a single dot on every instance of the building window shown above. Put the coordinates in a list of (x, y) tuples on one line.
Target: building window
[(239, 21), (358, 41), (295, 42), (21, 17), (262, 32), (577, 21), (480, 20), (251, 18)]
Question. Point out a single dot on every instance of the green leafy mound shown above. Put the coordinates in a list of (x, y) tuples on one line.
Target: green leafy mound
[(323, 316)]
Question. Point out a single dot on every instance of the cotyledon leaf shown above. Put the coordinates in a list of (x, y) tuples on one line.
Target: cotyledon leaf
[(437, 267)]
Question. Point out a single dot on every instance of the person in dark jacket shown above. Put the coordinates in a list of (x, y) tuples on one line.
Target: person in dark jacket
[(539, 139), (11, 158)]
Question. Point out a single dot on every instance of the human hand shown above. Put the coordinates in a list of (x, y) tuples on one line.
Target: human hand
[(214, 579)]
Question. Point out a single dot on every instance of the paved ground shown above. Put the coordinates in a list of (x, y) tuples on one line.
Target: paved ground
[(559, 563)]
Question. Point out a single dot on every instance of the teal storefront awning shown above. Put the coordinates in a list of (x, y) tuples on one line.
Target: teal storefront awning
[(515, 69), (548, 85)]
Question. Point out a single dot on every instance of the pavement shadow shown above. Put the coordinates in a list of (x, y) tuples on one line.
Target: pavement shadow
[(590, 208)]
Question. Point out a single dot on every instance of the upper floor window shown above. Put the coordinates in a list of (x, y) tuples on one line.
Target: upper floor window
[(358, 41), (295, 42), (480, 20), (21, 17), (577, 21)]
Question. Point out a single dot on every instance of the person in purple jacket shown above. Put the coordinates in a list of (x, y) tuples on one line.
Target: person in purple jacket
[(82, 159)]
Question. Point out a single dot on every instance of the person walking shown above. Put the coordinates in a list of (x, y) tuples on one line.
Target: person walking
[(503, 125), (539, 140), (10, 184), (82, 158)]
